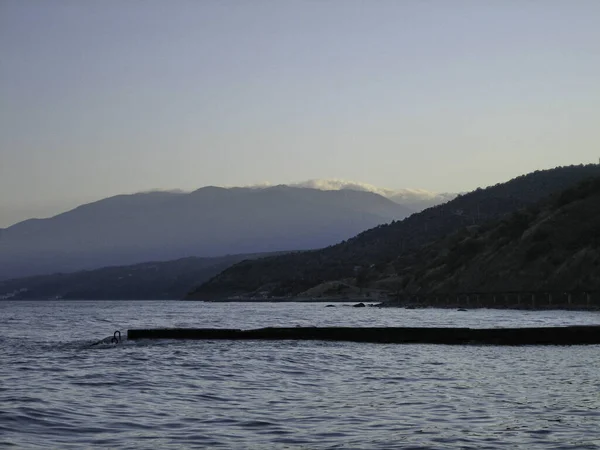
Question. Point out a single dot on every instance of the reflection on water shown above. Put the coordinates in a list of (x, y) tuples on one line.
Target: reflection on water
[(57, 391)]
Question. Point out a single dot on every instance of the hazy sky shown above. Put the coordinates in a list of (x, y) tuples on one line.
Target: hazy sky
[(105, 97)]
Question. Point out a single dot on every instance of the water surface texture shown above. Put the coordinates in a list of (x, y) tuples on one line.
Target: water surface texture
[(58, 392)]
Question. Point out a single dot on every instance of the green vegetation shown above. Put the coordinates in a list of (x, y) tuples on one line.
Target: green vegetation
[(551, 246), (428, 249)]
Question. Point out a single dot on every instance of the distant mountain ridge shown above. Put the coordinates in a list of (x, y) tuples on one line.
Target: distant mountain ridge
[(210, 221), (383, 247), (166, 280), (415, 199)]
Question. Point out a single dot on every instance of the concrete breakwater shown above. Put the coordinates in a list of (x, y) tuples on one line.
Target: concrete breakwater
[(570, 335)]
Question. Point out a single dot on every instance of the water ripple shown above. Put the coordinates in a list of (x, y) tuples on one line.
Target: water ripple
[(56, 391)]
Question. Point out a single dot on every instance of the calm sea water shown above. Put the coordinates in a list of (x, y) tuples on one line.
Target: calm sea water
[(58, 392)]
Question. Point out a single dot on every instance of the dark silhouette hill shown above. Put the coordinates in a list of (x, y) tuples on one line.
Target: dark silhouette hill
[(147, 281), (211, 221), (551, 246), (371, 253)]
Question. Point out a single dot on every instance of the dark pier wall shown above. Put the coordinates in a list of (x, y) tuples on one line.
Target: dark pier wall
[(574, 335)]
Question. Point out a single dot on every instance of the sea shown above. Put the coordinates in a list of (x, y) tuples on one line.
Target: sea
[(57, 390)]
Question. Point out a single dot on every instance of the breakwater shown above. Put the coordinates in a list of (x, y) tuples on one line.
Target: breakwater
[(570, 335)]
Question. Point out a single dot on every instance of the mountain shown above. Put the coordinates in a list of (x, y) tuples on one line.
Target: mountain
[(381, 249), (147, 281), (415, 199), (211, 221), (419, 199), (551, 246)]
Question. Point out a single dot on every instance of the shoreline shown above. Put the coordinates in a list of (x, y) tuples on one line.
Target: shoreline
[(392, 304)]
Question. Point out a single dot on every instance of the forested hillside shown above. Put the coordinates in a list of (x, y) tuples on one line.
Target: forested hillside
[(551, 246), (381, 251)]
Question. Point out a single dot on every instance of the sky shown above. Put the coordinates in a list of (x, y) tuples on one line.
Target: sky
[(102, 97)]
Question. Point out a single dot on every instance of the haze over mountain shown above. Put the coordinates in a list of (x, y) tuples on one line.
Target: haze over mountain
[(210, 221), (416, 199)]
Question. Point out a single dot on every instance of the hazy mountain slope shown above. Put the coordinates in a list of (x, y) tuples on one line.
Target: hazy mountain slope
[(384, 245), (146, 281), (418, 200), (415, 199), (211, 221), (554, 246)]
